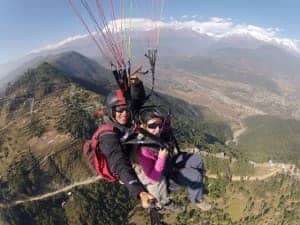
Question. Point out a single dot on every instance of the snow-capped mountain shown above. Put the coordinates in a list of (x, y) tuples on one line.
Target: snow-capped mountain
[(179, 39), (215, 30), (219, 29)]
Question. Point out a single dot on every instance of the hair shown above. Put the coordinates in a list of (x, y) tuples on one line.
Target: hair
[(147, 114)]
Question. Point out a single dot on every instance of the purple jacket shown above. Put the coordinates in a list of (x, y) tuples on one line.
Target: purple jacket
[(151, 164)]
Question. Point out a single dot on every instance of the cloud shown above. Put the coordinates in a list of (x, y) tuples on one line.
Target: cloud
[(184, 16), (59, 44), (297, 43)]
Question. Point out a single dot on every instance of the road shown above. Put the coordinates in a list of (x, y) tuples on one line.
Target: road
[(50, 194), (271, 168)]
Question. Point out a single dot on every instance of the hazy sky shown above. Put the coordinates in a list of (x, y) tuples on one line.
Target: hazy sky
[(26, 25)]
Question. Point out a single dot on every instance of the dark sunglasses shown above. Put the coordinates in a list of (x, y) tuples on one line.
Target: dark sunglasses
[(154, 125), (122, 108)]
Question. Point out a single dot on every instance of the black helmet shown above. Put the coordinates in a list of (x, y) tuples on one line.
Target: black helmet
[(114, 99)]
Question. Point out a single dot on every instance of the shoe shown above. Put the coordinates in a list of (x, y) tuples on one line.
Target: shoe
[(172, 206), (203, 205)]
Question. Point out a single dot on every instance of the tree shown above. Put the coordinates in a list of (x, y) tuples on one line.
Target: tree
[(24, 175), (77, 122)]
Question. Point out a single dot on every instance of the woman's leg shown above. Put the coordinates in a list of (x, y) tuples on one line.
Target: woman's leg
[(159, 191), (190, 174), (192, 179)]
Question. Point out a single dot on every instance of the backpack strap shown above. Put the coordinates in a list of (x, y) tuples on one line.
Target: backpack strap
[(102, 129)]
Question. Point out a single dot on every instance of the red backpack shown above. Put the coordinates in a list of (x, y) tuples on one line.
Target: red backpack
[(97, 160)]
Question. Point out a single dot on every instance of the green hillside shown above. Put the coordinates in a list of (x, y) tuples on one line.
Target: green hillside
[(275, 201), (99, 203), (272, 201), (43, 139), (271, 138), (45, 117), (41, 152)]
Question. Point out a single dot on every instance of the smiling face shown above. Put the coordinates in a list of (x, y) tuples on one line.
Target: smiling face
[(154, 126), (122, 114)]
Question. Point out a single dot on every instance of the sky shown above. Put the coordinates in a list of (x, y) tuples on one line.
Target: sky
[(26, 25)]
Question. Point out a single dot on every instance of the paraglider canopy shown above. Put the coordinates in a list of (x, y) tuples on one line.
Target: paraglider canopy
[(112, 25)]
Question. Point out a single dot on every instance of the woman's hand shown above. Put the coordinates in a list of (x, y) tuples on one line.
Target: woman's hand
[(163, 153)]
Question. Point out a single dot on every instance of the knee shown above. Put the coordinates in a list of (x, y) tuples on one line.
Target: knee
[(196, 161)]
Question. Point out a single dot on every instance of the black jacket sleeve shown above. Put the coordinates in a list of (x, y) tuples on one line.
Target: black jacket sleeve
[(119, 162), (138, 95)]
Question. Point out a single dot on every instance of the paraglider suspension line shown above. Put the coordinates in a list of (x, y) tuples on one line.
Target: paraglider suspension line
[(151, 55)]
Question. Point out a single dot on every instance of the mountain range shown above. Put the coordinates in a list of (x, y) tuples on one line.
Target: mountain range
[(261, 71), (184, 39)]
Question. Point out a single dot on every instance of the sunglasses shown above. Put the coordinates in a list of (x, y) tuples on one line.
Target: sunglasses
[(122, 108), (154, 125)]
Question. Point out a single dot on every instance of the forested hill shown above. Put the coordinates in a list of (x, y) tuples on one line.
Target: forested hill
[(44, 118)]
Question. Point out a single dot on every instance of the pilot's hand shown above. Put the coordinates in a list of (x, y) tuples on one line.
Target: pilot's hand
[(134, 79), (146, 198)]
